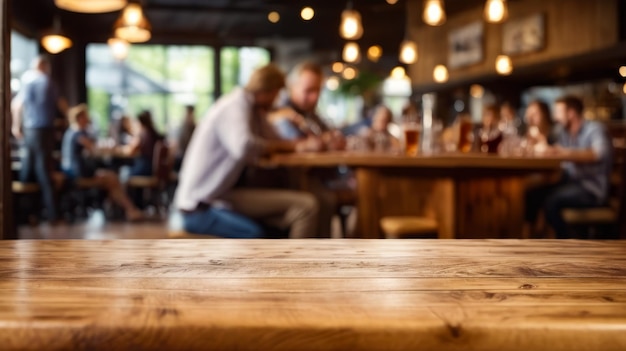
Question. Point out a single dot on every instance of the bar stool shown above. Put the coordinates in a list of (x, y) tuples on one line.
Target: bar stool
[(409, 227)]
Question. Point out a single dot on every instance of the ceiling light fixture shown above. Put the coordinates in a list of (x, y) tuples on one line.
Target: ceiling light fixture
[(496, 11), (133, 26), (398, 72), (374, 53), (440, 74), (434, 12), (338, 67), (350, 73), (273, 17), (408, 52), (351, 52), (54, 41), (90, 6), (351, 27), (119, 48), (307, 13), (504, 65)]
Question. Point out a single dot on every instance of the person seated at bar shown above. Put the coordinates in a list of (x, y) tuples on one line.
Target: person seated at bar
[(76, 143), (233, 134), (121, 130), (583, 184), (539, 134), (509, 122), (378, 134), (489, 134), (297, 119)]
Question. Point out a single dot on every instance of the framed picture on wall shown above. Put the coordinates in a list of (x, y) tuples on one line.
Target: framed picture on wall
[(465, 45), (523, 35)]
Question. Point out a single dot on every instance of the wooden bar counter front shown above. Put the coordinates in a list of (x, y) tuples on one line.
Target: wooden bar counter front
[(470, 195), (500, 295)]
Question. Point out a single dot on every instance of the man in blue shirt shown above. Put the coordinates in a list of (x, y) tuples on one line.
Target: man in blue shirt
[(584, 184), (34, 111)]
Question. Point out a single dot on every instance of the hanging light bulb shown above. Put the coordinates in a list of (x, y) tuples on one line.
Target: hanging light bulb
[(119, 48), (504, 65), (350, 73), (440, 74), (408, 52), (307, 13), (90, 6), (374, 53), (273, 17), (351, 52), (332, 83), (350, 28), (54, 41), (398, 72), (477, 91), (434, 13), (132, 25), (496, 11), (338, 67)]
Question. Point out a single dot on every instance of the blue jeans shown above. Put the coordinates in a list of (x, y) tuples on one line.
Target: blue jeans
[(37, 161), (220, 222)]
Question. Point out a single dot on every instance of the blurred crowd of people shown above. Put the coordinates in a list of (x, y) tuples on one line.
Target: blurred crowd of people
[(215, 158)]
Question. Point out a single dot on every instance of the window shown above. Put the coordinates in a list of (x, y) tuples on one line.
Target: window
[(162, 79), (239, 63), (23, 52)]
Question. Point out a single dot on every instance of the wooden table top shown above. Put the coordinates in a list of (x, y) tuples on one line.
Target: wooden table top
[(312, 295), (445, 160)]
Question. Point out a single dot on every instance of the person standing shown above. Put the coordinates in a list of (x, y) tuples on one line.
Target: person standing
[(584, 184), (233, 134), (34, 111)]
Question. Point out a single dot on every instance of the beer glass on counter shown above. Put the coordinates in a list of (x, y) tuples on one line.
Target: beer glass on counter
[(412, 129)]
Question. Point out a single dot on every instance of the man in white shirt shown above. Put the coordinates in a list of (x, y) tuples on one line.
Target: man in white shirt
[(233, 134)]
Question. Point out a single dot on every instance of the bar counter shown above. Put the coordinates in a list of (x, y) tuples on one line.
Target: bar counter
[(313, 295), (471, 196)]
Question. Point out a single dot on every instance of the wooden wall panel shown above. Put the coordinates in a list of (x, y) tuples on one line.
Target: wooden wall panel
[(572, 27)]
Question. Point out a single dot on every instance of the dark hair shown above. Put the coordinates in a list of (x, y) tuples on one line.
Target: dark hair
[(145, 119), (546, 118), (493, 108), (572, 102)]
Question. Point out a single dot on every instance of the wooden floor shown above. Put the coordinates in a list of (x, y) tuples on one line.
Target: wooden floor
[(97, 227)]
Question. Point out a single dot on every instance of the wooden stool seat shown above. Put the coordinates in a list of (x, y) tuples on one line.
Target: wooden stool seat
[(181, 234), (396, 227), (143, 182), (590, 215), (24, 188)]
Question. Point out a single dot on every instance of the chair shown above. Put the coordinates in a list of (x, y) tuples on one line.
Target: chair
[(397, 227), (157, 182), (598, 220)]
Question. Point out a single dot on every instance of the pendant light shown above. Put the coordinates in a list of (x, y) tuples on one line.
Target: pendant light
[(351, 52), (496, 11), (133, 26), (408, 52), (90, 6), (54, 41), (351, 27), (434, 12), (119, 48), (440, 74), (504, 65)]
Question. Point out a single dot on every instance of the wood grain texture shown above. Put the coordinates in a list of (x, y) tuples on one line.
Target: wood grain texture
[(312, 295), (7, 225)]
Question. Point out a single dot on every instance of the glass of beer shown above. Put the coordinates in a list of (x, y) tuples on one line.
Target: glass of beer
[(466, 134), (411, 135)]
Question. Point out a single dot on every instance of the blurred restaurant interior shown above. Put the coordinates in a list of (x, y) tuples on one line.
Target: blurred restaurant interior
[(451, 61), (500, 123)]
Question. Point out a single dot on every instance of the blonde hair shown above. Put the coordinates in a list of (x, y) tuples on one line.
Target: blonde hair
[(74, 112), (266, 78)]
